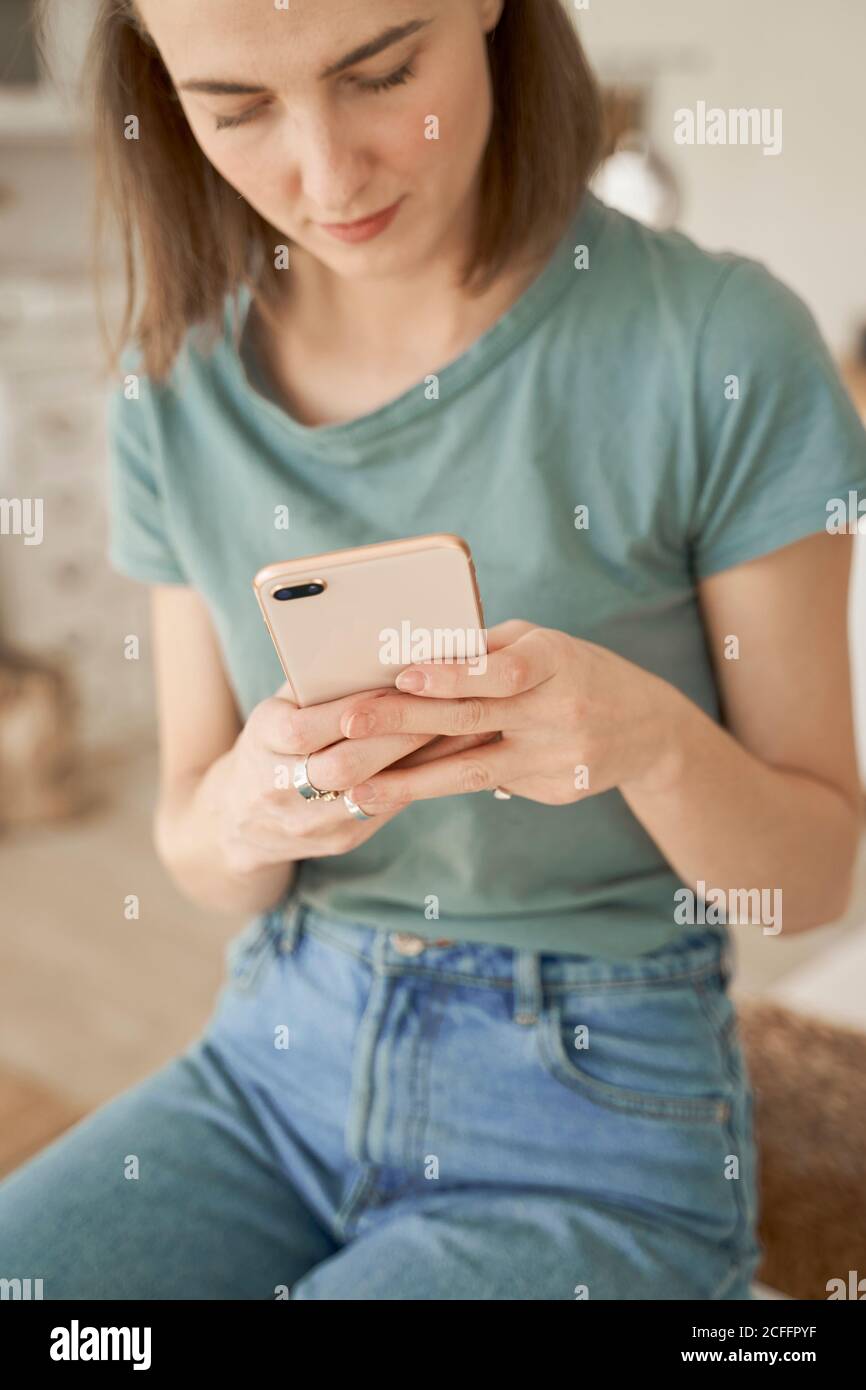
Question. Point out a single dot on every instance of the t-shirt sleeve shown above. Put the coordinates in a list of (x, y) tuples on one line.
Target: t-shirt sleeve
[(139, 539), (781, 446)]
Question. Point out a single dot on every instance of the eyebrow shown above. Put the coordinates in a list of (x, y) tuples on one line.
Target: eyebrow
[(388, 37)]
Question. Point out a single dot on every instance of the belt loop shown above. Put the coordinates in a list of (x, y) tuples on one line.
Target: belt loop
[(292, 915), (528, 994), (380, 952)]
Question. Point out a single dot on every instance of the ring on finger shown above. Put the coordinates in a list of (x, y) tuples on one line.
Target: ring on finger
[(301, 782), (354, 809)]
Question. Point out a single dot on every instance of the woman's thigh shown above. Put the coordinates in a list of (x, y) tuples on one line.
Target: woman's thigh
[(171, 1191), (589, 1127), (525, 1246)]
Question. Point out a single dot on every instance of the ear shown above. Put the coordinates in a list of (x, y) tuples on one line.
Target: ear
[(489, 14)]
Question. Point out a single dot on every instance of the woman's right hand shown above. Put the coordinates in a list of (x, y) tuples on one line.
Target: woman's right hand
[(263, 820)]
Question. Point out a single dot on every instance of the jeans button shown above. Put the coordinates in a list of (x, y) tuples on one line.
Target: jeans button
[(406, 944)]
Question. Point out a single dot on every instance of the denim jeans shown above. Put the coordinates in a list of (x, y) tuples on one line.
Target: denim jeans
[(373, 1117)]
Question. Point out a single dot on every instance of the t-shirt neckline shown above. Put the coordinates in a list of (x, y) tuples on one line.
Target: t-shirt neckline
[(347, 438)]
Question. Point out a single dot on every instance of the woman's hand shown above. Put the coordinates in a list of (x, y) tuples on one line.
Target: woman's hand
[(574, 718), (263, 819)]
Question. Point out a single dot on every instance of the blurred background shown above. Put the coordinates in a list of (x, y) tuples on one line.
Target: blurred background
[(91, 999)]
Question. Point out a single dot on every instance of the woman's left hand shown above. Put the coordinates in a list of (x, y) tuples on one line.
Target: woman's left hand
[(574, 719)]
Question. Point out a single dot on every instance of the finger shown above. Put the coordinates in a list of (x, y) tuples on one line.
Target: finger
[(503, 672), (438, 747), (503, 634), (345, 762), (325, 822), (443, 747), (287, 729), (456, 718), (479, 769)]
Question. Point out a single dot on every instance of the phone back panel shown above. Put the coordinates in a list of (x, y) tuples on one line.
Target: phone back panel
[(370, 621)]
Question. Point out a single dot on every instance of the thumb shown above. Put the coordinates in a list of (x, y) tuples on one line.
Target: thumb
[(286, 692)]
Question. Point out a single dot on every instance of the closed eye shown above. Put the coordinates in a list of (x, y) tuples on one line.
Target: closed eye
[(227, 122), (373, 85), (381, 84)]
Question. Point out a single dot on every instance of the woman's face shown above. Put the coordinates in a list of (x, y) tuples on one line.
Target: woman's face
[(285, 104)]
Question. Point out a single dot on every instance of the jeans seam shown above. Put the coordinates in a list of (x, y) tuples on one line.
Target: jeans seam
[(356, 1201), (736, 1269), (367, 1038), (721, 1032), (453, 977), (322, 934), (417, 1121), (249, 952), (690, 1110), (640, 982), (723, 1036)]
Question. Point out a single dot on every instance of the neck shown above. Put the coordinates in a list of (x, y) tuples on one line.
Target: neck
[(424, 305)]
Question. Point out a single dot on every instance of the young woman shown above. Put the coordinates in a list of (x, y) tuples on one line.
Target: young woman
[(470, 1046)]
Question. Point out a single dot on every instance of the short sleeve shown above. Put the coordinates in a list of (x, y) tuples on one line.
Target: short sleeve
[(780, 444), (139, 543)]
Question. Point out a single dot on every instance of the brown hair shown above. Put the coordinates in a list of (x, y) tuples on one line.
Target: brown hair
[(188, 241)]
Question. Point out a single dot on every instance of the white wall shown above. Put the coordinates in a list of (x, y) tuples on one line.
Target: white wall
[(803, 212)]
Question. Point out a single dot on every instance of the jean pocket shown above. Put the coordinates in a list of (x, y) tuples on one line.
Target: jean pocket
[(250, 955), (644, 1048)]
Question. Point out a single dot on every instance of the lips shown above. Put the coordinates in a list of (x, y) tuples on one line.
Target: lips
[(365, 227)]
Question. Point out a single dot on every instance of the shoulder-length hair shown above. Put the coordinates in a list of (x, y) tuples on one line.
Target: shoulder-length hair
[(188, 241)]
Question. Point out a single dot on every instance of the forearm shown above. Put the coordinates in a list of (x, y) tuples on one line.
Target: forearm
[(186, 832), (722, 816)]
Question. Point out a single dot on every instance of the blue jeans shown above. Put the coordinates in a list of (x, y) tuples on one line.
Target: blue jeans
[(370, 1117)]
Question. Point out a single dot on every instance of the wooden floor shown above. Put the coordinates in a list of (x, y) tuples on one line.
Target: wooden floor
[(31, 1116), (90, 1000)]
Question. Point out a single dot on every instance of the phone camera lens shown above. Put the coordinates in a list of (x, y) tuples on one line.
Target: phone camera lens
[(297, 591)]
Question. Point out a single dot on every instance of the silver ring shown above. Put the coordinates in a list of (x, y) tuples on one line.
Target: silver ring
[(501, 795), (354, 809), (302, 783)]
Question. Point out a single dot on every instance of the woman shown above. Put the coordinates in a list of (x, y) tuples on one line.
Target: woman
[(470, 1046)]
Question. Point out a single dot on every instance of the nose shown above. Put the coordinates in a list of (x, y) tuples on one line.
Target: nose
[(332, 167)]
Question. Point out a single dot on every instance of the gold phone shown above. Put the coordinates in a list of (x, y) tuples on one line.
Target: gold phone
[(351, 620)]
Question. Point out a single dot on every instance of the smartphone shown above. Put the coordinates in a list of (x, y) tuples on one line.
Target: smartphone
[(352, 620)]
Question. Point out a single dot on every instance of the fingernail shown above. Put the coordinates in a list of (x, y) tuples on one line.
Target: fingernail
[(365, 792), (358, 725), (411, 680)]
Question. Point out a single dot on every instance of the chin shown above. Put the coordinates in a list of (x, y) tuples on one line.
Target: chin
[(372, 260)]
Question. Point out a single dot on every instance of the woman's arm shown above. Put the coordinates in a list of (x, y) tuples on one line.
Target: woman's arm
[(770, 802), (198, 728), (774, 799), (228, 827)]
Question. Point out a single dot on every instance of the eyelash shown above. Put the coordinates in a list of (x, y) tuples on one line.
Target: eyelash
[(395, 79)]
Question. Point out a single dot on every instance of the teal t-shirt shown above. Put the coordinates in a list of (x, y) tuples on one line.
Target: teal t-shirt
[(684, 399)]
